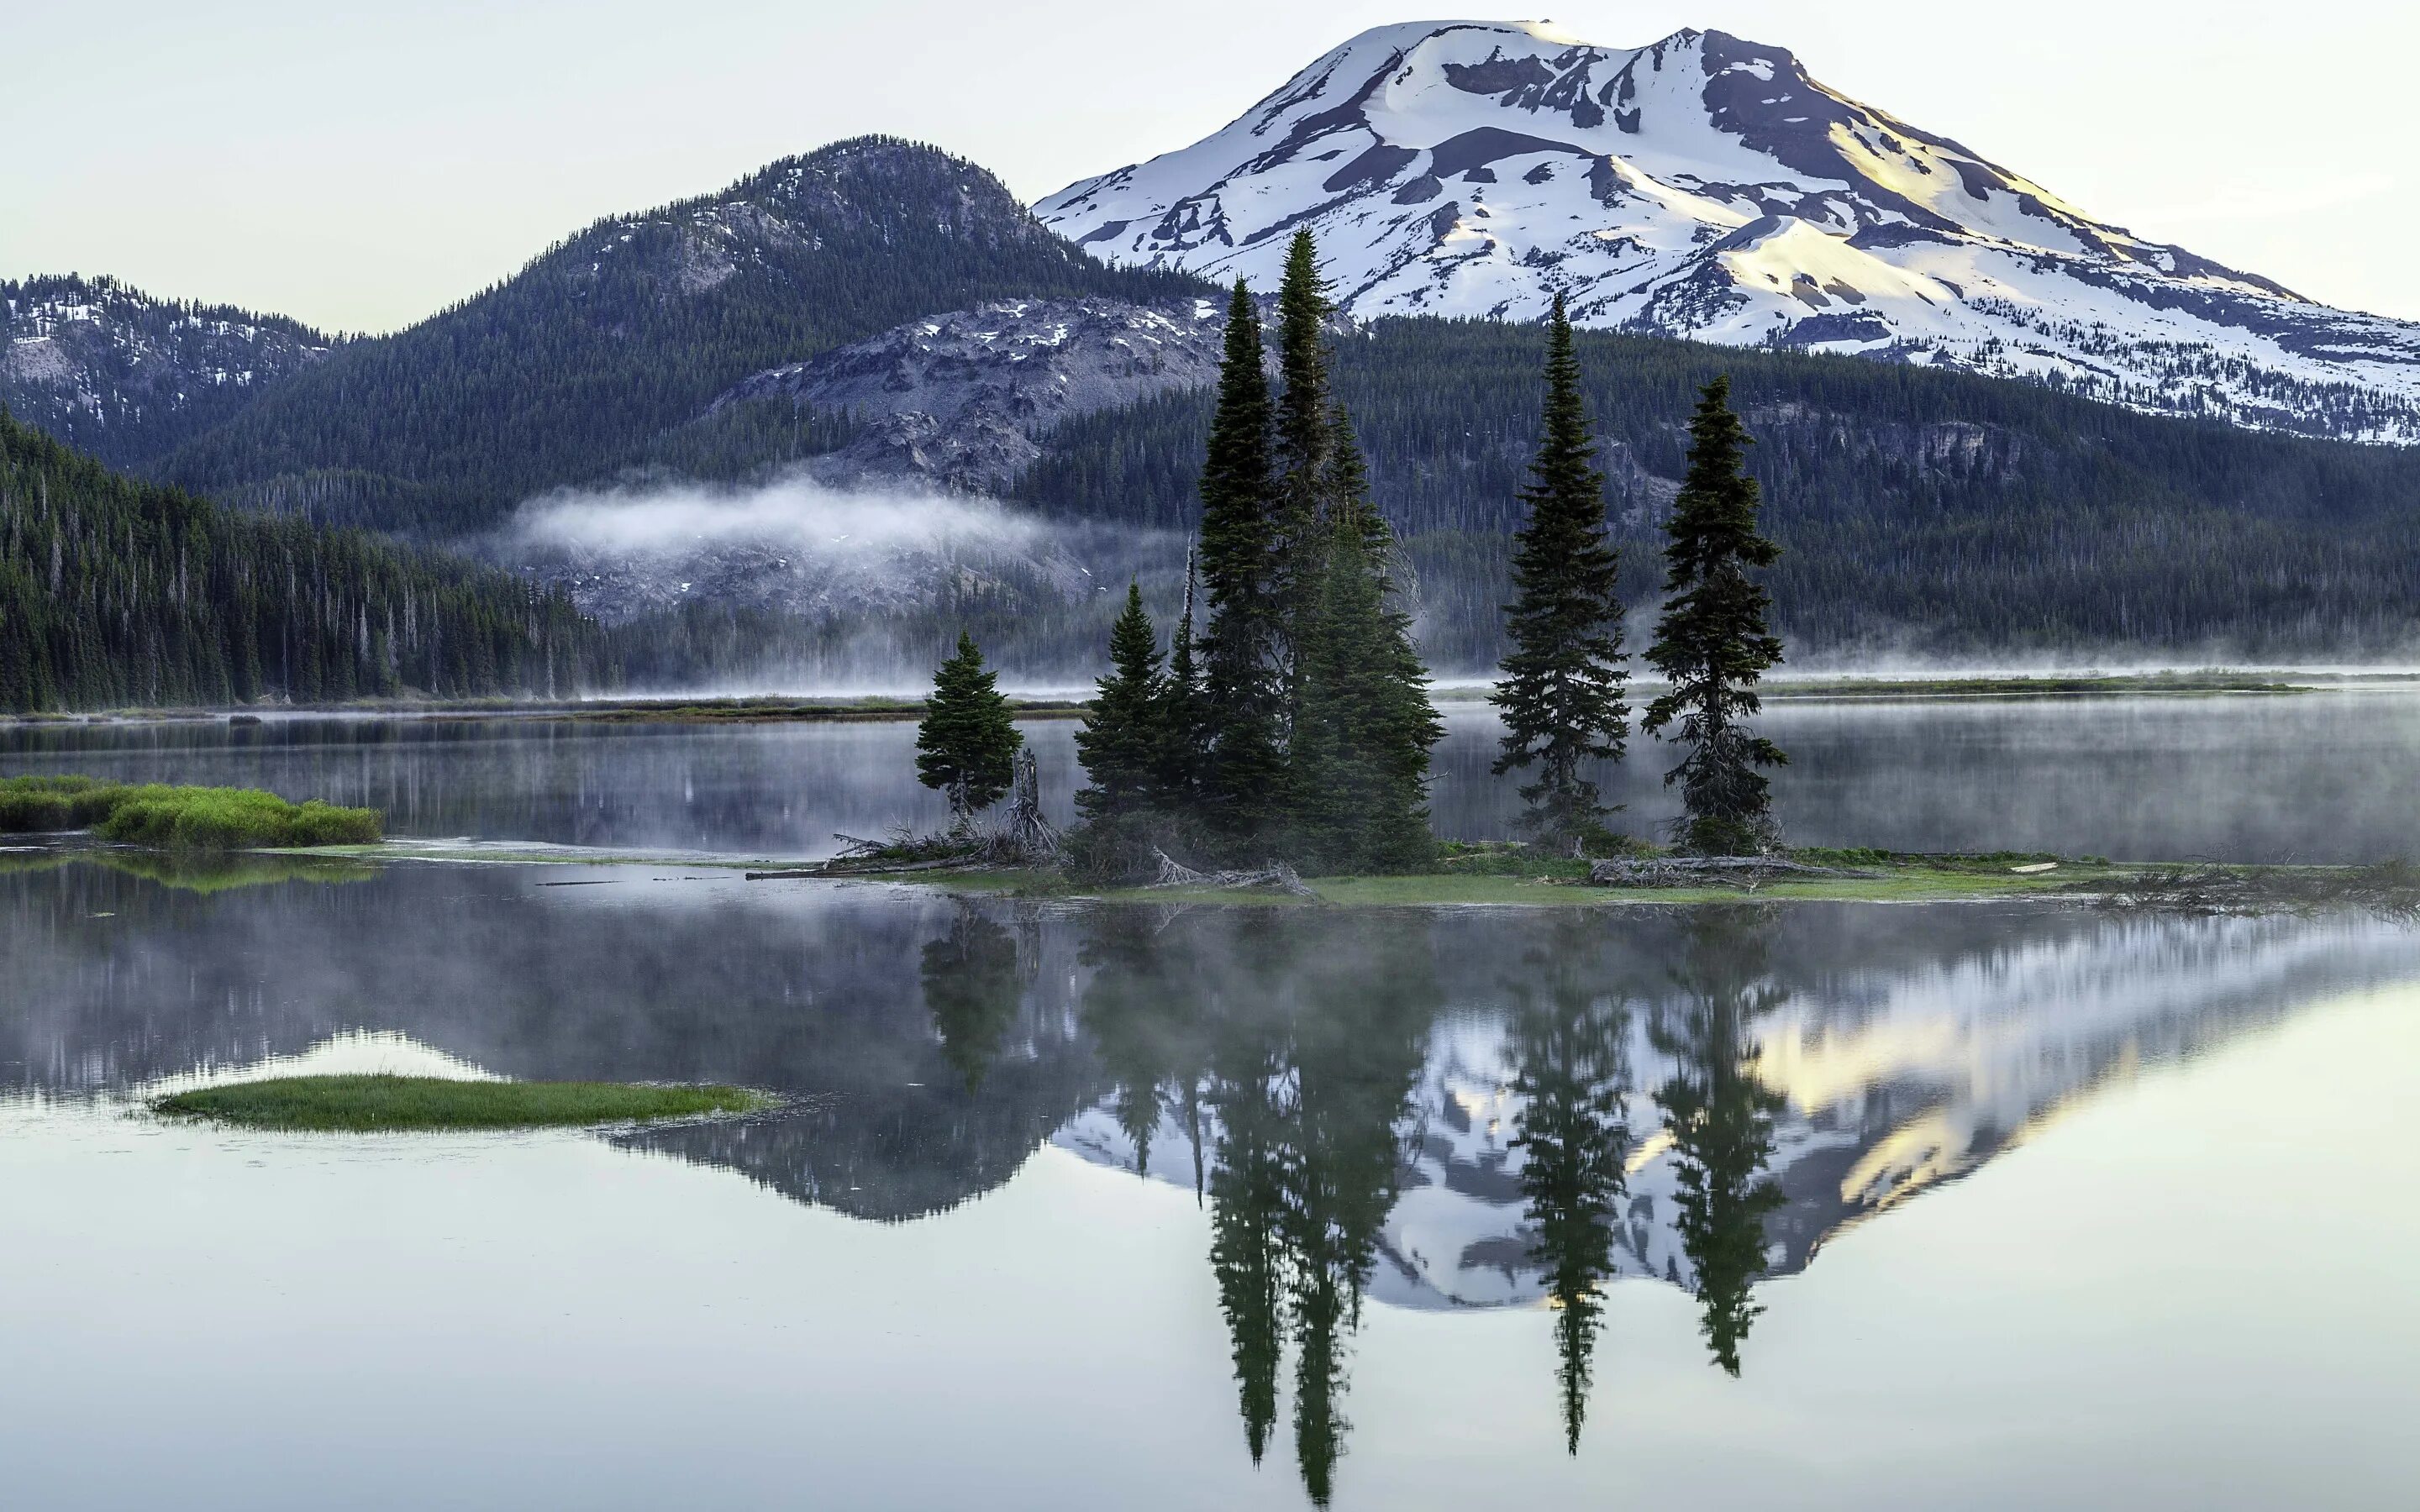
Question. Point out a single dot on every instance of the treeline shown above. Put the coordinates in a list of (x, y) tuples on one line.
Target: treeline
[(575, 366), (1916, 509), (1300, 724), (118, 593)]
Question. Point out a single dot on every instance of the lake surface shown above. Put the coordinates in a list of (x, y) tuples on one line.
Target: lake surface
[(1970, 1205), (2318, 776)]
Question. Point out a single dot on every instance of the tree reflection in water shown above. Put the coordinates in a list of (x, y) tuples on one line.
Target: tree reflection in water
[(1296, 1048), (971, 986), (1291, 1046), (1720, 1116), (1308, 1057), (1570, 1037)]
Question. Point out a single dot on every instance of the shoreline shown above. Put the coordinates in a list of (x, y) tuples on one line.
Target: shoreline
[(805, 709), (1875, 878)]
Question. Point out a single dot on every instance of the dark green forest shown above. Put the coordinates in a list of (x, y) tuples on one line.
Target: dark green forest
[(578, 365), (1917, 510), (118, 593)]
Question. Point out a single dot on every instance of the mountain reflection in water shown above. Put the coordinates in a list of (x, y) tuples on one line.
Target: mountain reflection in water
[(1421, 1108)]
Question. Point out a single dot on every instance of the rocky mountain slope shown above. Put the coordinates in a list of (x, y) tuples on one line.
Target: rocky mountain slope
[(575, 366), (1707, 187), (125, 377), (957, 400)]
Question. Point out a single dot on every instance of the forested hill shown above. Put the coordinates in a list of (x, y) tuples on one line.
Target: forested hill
[(116, 594), (566, 371), (1918, 510), (129, 377)]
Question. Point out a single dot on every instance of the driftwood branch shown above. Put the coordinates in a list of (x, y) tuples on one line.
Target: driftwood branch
[(1175, 874), (1024, 836)]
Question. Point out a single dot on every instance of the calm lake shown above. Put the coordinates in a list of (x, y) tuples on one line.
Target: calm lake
[(1960, 1205)]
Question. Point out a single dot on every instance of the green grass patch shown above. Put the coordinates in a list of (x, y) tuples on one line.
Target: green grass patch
[(29, 805), (179, 818), (378, 1103)]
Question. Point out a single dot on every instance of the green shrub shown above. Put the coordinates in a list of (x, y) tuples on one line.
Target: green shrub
[(32, 804), (181, 818)]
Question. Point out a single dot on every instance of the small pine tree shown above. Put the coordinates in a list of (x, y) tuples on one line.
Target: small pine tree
[(1243, 772), (1711, 643), (1564, 677), (968, 738), (1121, 743)]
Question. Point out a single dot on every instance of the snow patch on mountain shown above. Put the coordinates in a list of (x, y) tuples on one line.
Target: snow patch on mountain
[(1709, 188), (124, 375)]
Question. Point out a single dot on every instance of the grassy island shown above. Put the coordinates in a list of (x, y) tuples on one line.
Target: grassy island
[(179, 818), (378, 1103), (1496, 874)]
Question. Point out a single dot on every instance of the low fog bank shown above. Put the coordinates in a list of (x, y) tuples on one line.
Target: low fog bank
[(794, 587)]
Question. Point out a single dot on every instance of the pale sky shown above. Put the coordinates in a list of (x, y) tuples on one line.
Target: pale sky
[(359, 167)]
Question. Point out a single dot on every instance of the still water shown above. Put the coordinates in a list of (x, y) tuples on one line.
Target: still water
[(1076, 1206), (2315, 777)]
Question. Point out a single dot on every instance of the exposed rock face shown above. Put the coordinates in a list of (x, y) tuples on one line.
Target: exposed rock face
[(121, 375), (1709, 188), (959, 400)]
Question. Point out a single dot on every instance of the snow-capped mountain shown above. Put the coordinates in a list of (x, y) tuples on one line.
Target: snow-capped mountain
[(126, 376), (1707, 187)]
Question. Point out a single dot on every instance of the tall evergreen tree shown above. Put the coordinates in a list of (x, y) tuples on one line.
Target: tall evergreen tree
[(1561, 694), (969, 737), (1246, 766), (1711, 643), (1121, 745), (1366, 726), (1305, 441)]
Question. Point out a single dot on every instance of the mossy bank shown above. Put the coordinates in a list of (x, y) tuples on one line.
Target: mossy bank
[(380, 1103)]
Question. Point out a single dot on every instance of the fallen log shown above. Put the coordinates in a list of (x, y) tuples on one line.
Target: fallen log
[(846, 866), (1683, 871)]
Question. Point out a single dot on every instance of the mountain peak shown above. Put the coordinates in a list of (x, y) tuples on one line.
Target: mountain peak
[(1708, 187)]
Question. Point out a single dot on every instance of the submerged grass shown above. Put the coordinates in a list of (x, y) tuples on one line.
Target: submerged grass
[(202, 871), (377, 1104), (179, 818)]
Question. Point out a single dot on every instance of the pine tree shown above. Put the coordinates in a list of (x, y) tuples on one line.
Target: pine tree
[(1304, 450), (1121, 745), (1360, 754), (1565, 674), (1712, 644), (969, 737), (1244, 773)]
